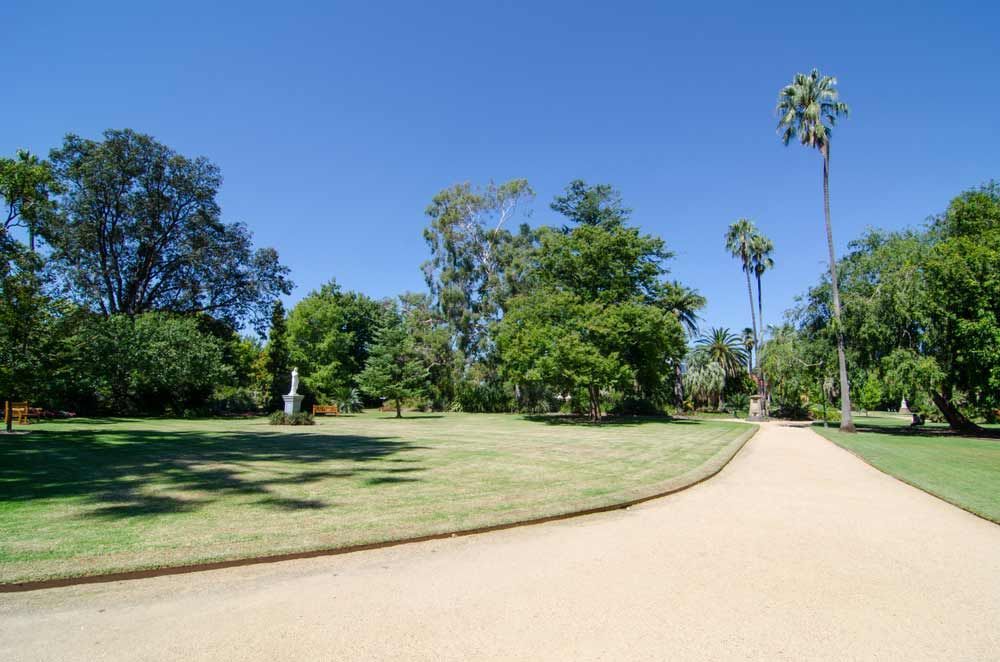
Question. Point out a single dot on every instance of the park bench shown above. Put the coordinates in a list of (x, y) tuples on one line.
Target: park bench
[(326, 409), (18, 411)]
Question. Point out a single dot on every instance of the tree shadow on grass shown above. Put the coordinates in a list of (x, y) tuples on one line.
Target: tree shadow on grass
[(918, 431), (610, 422), (114, 469)]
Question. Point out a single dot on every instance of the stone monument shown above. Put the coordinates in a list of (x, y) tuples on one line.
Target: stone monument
[(756, 408), (904, 408), (293, 401)]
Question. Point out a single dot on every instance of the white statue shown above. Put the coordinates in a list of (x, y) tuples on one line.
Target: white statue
[(904, 407), (295, 382)]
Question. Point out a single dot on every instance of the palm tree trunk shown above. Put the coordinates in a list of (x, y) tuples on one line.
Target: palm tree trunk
[(753, 316), (846, 420), (760, 340)]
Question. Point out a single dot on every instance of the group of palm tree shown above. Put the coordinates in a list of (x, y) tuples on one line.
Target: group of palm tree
[(808, 109), (747, 244), (719, 355)]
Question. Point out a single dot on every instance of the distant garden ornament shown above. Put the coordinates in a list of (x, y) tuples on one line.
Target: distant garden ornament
[(293, 401), (903, 407)]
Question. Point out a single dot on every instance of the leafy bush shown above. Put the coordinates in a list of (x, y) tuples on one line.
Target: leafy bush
[(232, 400), (349, 401), (281, 418)]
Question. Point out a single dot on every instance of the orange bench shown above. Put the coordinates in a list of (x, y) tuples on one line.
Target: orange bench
[(18, 411), (326, 409)]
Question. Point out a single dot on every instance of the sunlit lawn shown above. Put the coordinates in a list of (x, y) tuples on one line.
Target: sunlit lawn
[(962, 470), (94, 496)]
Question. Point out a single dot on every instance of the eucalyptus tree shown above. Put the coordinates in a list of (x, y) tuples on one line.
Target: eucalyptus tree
[(476, 261), (808, 109)]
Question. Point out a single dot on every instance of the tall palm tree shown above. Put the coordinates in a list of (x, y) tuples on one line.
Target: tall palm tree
[(808, 109), (760, 262), (739, 241), (725, 348), (684, 303)]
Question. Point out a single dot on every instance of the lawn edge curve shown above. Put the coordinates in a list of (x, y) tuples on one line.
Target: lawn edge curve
[(699, 474), (894, 477)]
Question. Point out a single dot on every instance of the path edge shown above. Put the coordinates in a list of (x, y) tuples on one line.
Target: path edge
[(890, 475), (687, 480)]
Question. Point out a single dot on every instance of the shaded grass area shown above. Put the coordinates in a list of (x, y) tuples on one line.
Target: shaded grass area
[(962, 470), (85, 497)]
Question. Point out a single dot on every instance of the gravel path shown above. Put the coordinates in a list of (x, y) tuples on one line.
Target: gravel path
[(796, 551)]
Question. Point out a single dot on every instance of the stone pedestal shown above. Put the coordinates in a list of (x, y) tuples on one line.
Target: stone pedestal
[(756, 409), (292, 403), (904, 408)]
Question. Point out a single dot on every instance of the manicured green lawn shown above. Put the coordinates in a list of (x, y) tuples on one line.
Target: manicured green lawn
[(94, 496), (962, 470)]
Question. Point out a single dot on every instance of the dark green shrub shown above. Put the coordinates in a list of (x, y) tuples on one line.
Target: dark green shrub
[(281, 418)]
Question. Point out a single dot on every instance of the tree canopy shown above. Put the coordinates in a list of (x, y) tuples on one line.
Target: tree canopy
[(137, 228)]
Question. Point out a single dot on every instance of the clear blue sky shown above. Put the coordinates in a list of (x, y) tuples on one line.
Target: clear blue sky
[(335, 123)]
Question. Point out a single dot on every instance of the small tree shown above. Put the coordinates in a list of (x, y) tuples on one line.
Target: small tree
[(871, 394), (277, 358), (394, 370)]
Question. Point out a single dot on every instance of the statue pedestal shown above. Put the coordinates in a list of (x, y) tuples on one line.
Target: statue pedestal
[(292, 403), (756, 410)]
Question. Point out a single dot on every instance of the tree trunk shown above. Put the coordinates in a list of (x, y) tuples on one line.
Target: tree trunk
[(8, 417), (846, 420), (753, 320), (678, 386), (760, 343), (595, 404), (399, 408), (956, 420)]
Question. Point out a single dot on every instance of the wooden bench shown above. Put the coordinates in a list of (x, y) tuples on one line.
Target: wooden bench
[(326, 409), (19, 412)]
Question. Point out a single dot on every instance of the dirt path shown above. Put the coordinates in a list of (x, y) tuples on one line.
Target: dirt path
[(796, 551)]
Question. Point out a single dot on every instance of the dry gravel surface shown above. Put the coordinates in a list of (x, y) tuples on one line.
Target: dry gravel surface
[(796, 551)]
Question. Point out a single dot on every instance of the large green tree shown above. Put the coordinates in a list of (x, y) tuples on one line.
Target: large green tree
[(808, 109), (329, 332), (149, 363), (138, 228), (596, 316), (26, 187)]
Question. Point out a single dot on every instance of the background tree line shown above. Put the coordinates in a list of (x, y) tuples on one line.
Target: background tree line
[(920, 318), (124, 291)]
